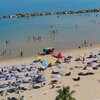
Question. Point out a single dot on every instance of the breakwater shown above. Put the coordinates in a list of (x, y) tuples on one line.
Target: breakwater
[(50, 13)]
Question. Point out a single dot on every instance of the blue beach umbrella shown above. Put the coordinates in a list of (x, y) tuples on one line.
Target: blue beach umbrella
[(58, 76), (33, 68), (41, 80), (24, 65), (90, 63), (15, 66), (44, 63), (59, 67)]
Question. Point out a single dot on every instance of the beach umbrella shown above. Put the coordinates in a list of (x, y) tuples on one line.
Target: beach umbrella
[(5, 72), (15, 66), (98, 58), (11, 78), (24, 65), (9, 67), (70, 56), (41, 80), (58, 76), (16, 84), (93, 53), (53, 62), (44, 63), (33, 64), (31, 75), (39, 57), (3, 85), (59, 67), (81, 56), (15, 72), (33, 68), (21, 76), (2, 79), (24, 70), (90, 63)]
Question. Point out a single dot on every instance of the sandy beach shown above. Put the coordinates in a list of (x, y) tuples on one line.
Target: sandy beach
[(87, 88)]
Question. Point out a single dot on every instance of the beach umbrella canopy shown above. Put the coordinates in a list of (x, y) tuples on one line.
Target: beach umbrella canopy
[(58, 76), (24, 65), (81, 56), (15, 72), (70, 56), (16, 84), (59, 67), (53, 62), (39, 57), (41, 80), (93, 53), (24, 70), (5, 67), (90, 63), (44, 63), (15, 66), (3, 85), (33, 68), (98, 56), (11, 78)]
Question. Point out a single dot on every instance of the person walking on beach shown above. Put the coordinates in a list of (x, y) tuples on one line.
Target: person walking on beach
[(21, 54)]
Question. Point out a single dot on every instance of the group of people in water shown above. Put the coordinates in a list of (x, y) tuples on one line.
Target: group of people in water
[(34, 38), (86, 44), (7, 44)]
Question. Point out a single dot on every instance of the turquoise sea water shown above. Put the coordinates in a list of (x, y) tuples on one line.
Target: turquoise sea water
[(26, 6), (67, 34)]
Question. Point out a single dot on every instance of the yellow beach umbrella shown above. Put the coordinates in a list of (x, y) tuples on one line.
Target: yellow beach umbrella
[(53, 62), (39, 57)]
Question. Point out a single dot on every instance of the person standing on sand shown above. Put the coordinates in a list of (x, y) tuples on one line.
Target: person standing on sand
[(21, 54)]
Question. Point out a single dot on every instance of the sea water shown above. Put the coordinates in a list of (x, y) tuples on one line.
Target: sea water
[(69, 30)]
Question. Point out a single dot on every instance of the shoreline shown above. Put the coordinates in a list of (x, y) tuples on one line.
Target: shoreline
[(26, 59)]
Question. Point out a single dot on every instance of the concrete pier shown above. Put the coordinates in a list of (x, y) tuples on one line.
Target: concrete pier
[(51, 13)]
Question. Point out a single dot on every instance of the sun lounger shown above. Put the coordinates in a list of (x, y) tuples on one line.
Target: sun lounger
[(12, 90), (16, 84), (3, 85), (76, 79), (68, 74)]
